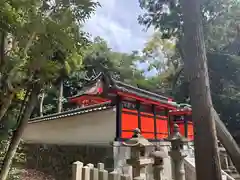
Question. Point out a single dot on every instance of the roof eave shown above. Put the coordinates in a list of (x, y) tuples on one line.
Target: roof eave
[(78, 111)]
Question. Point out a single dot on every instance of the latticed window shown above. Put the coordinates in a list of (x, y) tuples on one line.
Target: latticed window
[(129, 105)]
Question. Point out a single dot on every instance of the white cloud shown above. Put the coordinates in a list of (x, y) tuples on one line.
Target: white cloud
[(116, 22)]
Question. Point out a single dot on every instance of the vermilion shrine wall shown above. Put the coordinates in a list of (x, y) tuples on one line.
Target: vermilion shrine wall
[(130, 121), (151, 120)]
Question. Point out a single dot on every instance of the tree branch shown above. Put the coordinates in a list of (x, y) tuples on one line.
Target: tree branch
[(18, 133), (5, 104), (29, 43), (2, 48), (177, 75)]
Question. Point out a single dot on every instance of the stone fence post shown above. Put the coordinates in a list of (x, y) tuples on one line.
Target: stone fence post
[(177, 153), (89, 172), (77, 170)]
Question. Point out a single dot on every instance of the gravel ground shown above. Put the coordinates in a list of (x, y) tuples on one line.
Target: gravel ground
[(31, 174)]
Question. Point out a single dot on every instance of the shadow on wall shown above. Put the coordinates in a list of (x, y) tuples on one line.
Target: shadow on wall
[(56, 161)]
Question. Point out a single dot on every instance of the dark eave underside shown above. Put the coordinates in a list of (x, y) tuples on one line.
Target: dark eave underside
[(74, 112), (141, 93)]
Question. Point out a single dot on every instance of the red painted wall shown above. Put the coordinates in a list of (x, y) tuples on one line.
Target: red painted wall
[(190, 131), (129, 120)]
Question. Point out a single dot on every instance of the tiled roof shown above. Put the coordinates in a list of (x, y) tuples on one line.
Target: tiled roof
[(74, 112), (141, 92), (114, 84)]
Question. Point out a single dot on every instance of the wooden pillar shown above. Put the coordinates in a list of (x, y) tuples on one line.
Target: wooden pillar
[(155, 120), (185, 126), (169, 124), (119, 117), (138, 105)]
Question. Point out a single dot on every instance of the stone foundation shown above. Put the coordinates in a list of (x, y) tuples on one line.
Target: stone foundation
[(122, 153), (56, 160)]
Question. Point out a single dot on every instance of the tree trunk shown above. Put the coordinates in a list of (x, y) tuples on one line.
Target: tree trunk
[(41, 104), (17, 134), (60, 96), (196, 70), (227, 141), (5, 103)]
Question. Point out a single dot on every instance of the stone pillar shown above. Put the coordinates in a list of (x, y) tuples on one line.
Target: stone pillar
[(177, 153), (120, 154), (224, 159), (178, 167), (139, 156), (231, 166), (158, 166)]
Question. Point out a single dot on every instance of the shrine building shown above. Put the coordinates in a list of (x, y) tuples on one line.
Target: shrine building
[(109, 110)]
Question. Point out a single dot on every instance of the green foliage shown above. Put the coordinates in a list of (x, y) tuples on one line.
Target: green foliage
[(121, 65), (21, 94), (40, 43), (160, 54), (97, 57), (10, 120), (38, 30), (221, 31), (45, 42), (220, 22), (224, 71), (167, 16)]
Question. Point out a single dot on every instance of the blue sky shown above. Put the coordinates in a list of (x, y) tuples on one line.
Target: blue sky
[(116, 22)]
